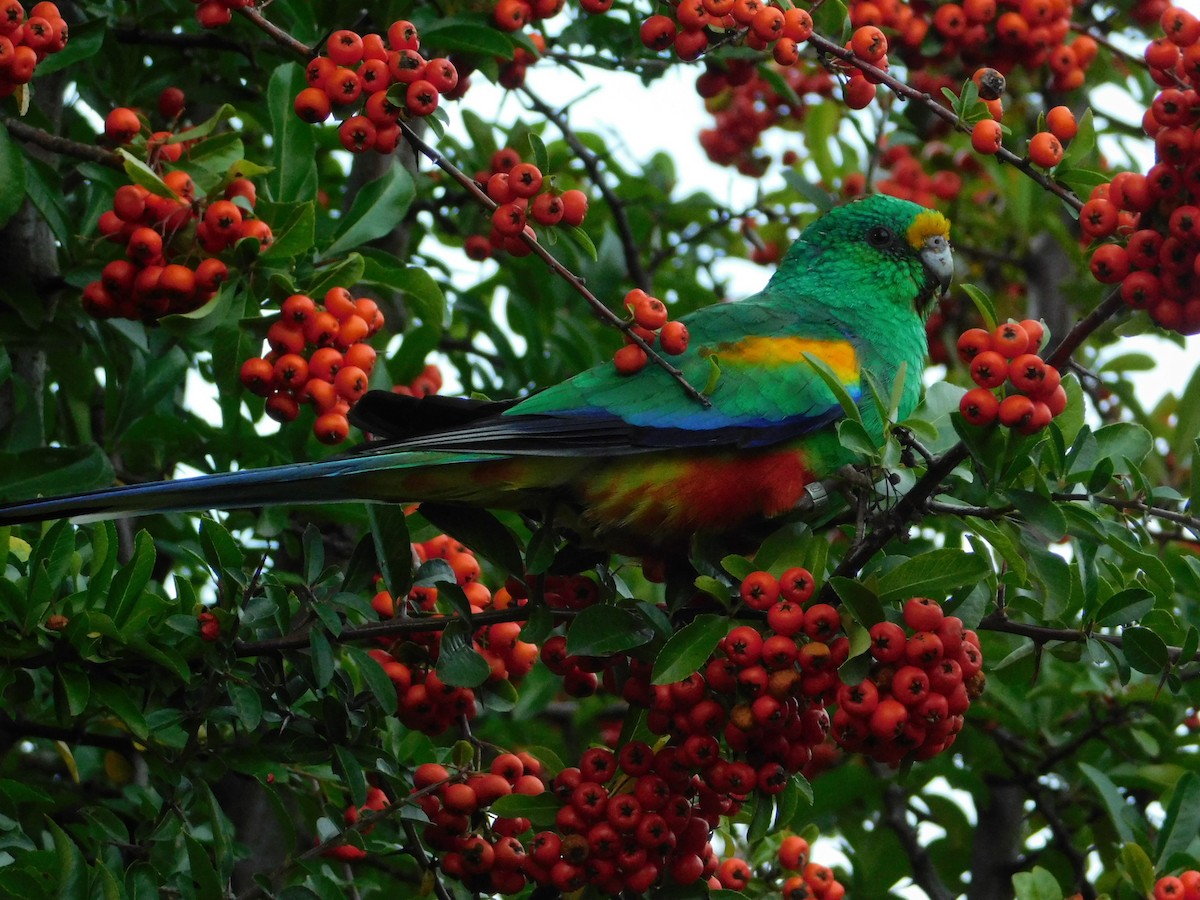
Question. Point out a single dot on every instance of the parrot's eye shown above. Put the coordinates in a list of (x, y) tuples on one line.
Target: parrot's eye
[(879, 237)]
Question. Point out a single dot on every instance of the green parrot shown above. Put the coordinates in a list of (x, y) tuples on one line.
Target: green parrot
[(639, 462)]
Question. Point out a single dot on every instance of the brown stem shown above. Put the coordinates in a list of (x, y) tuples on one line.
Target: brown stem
[(60, 145), (276, 33), (633, 259), (557, 267), (419, 625), (895, 816), (1042, 634), (907, 91)]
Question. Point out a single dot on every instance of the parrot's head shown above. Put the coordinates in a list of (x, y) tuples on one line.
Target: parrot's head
[(884, 246)]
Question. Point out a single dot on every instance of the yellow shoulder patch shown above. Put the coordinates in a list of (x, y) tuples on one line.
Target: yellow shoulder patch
[(784, 351)]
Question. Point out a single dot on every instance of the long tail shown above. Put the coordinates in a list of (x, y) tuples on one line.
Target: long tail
[(345, 478)]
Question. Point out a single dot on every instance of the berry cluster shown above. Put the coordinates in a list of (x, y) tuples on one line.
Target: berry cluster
[(375, 801), (155, 231), (215, 13), (903, 174), (319, 355), (512, 71), (1009, 354), (812, 880), (745, 104), (764, 26), (488, 860), (1157, 214), (650, 323), (523, 196), (920, 685), (374, 85), (428, 382), (24, 42), (210, 627), (1185, 886), (424, 702)]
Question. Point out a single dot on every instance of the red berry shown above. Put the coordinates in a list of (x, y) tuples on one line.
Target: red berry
[(673, 338), (989, 369), (979, 406)]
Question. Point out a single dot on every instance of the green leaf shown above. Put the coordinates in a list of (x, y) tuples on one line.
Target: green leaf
[(140, 173), (1125, 443), (540, 809), (87, 38), (983, 303), (603, 629), (204, 874), (422, 294), (117, 698), (738, 566), (221, 551), (247, 704), (381, 687), (714, 587), (322, 657), (541, 158), (862, 602), (1039, 511), (1113, 801), (293, 149), (1145, 651), (53, 471), (377, 210), (689, 649), (853, 436), (12, 177), (131, 579), (466, 35), (205, 128), (835, 386), (1125, 606), (934, 574), (1038, 884), (761, 818), (580, 239), (294, 226), (352, 774), (459, 663), (1182, 823), (479, 530), (72, 868), (76, 689), (1133, 861), (393, 548)]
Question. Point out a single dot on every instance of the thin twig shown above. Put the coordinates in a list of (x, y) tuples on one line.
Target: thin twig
[(633, 259), (1042, 634), (557, 267), (276, 33), (907, 91), (895, 816)]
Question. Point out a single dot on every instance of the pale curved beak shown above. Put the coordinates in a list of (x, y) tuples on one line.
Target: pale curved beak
[(938, 261)]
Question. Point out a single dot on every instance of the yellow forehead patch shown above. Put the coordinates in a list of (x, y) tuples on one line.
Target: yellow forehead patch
[(928, 224)]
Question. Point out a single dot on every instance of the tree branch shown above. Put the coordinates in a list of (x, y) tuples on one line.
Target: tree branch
[(61, 145), (602, 311), (895, 816), (633, 259), (905, 90)]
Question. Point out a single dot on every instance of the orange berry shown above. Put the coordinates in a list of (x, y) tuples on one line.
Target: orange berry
[(1045, 150), (1061, 122), (986, 136), (630, 359)]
